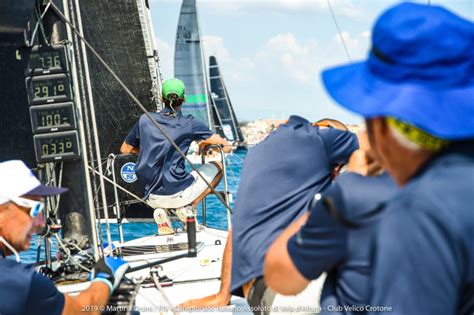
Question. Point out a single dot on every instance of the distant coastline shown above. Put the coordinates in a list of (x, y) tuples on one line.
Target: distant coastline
[(257, 130)]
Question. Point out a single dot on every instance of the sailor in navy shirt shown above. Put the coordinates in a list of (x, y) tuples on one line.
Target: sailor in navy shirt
[(160, 167), (335, 239), (416, 93), (278, 175), (24, 291), (424, 252)]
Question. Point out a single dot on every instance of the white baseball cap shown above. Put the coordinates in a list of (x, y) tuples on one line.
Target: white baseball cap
[(16, 180)]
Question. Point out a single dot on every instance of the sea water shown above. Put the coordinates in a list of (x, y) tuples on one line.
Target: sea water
[(216, 214)]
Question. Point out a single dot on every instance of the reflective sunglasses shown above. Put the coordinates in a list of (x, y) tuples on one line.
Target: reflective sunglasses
[(35, 206)]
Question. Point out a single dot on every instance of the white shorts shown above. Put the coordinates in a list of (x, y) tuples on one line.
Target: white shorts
[(187, 196)]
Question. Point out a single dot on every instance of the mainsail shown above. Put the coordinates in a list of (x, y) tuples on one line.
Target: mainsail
[(189, 64), (123, 40), (228, 121)]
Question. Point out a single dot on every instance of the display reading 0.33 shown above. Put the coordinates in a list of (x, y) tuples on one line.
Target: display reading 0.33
[(48, 89), (56, 146)]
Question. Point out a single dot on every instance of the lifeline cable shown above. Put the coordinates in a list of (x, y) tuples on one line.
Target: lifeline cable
[(134, 98)]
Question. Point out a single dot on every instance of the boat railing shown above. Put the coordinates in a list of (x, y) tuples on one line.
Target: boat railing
[(226, 193), (118, 204)]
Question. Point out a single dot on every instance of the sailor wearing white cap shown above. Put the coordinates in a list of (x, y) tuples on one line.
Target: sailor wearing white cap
[(22, 290)]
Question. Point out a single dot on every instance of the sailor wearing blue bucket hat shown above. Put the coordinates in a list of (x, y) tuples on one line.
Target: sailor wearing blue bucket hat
[(416, 92)]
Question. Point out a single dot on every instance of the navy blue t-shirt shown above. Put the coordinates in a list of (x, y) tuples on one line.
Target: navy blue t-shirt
[(338, 243), (24, 291), (160, 168), (424, 250), (278, 177)]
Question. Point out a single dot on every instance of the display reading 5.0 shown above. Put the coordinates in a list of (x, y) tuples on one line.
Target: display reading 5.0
[(45, 60), (48, 89), (54, 117), (56, 146)]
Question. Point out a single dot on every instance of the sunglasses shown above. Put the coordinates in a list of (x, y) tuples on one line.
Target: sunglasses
[(35, 206)]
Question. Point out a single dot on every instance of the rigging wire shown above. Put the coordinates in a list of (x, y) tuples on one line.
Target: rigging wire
[(39, 24), (117, 185), (90, 122), (135, 99), (339, 32)]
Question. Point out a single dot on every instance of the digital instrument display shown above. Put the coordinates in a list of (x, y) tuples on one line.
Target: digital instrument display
[(54, 117), (45, 89), (56, 146), (40, 60)]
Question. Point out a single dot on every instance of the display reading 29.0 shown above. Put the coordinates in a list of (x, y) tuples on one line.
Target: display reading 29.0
[(48, 89), (56, 146)]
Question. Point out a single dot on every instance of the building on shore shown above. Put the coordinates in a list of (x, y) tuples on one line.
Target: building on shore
[(258, 130)]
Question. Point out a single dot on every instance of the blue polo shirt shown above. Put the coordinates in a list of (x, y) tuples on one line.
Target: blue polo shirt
[(424, 251), (338, 242), (160, 168), (24, 291), (278, 177)]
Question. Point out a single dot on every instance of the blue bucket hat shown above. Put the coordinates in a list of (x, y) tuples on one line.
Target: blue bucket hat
[(420, 70)]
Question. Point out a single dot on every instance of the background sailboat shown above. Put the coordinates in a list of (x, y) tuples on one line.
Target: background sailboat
[(228, 120), (189, 64)]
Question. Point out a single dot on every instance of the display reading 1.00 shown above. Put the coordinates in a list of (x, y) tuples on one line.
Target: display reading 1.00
[(45, 60), (56, 146), (54, 117), (48, 89)]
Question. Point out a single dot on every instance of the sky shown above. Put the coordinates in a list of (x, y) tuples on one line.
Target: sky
[(271, 52)]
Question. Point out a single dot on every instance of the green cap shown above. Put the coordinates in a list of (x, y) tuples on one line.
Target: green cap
[(173, 86)]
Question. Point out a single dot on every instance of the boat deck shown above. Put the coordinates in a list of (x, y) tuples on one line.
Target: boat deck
[(191, 277)]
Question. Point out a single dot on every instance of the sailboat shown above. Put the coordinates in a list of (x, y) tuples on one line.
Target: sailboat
[(229, 124), (212, 106), (186, 262), (189, 64)]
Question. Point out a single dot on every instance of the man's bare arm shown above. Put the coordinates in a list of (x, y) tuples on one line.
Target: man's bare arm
[(279, 271), (129, 149), (215, 140), (90, 301), (222, 298)]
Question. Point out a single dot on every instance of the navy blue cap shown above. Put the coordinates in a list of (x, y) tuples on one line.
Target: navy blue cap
[(44, 190)]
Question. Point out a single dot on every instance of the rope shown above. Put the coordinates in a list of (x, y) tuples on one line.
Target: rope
[(165, 297), (156, 307), (339, 32), (135, 99), (68, 252)]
